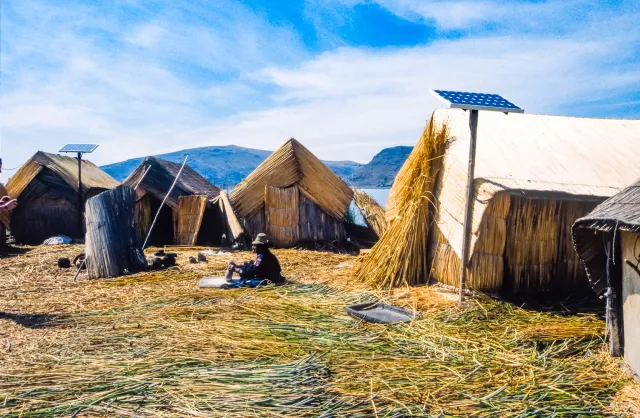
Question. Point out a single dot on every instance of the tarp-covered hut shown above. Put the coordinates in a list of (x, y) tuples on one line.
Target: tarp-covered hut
[(46, 188), (293, 197), (534, 176), (608, 243), (184, 218)]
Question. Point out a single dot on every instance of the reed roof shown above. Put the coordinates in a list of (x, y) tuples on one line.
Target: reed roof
[(65, 167), (161, 175), (531, 155), (621, 211), (291, 164)]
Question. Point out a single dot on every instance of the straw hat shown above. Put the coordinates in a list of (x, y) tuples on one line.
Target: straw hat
[(260, 239)]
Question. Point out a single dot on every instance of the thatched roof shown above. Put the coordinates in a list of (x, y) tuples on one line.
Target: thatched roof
[(65, 167), (161, 175), (622, 211), (291, 164), (531, 155)]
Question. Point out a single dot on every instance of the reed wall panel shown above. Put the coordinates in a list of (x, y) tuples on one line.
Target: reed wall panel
[(282, 215), (317, 225), (190, 213)]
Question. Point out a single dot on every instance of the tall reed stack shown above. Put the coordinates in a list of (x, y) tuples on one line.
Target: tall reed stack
[(400, 257)]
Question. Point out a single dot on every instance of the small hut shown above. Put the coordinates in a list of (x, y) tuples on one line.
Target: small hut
[(293, 197), (534, 176), (184, 218), (46, 188), (608, 243)]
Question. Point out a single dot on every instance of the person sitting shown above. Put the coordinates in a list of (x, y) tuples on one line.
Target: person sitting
[(265, 268)]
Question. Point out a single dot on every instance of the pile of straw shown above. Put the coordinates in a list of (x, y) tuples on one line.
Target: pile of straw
[(373, 213), (153, 344), (400, 257)]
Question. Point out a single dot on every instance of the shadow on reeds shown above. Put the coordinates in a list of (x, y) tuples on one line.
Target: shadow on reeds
[(34, 321), (10, 251), (581, 303)]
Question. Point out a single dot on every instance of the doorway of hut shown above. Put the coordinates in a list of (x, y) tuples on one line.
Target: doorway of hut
[(163, 231)]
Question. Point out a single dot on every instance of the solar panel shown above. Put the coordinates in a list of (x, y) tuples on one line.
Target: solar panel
[(83, 148), (476, 101)]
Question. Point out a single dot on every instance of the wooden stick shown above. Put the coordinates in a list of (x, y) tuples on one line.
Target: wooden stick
[(164, 200)]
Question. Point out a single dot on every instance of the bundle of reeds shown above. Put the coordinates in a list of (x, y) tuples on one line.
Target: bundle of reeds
[(373, 213), (190, 213), (400, 257)]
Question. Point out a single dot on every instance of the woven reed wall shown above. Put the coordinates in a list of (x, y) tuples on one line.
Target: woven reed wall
[(317, 225), (282, 215), (142, 216), (190, 214), (486, 267), (539, 255)]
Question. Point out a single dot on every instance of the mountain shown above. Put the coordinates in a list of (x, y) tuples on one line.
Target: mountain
[(382, 169), (223, 166)]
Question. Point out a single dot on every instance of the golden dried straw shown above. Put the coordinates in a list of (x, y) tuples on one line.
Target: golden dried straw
[(190, 213), (373, 213), (400, 257)]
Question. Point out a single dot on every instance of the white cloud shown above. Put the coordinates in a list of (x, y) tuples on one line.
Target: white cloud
[(136, 92)]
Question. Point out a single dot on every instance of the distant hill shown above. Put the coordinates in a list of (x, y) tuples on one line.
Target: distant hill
[(223, 166), (382, 169)]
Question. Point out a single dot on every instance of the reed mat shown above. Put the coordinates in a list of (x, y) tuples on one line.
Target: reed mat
[(154, 345)]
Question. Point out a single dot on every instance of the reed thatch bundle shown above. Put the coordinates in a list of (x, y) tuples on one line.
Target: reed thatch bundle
[(400, 257), (373, 213), (190, 214), (282, 215), (291, 164), (230, 220)]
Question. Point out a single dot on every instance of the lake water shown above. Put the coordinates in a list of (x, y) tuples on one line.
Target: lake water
[(380, 196)]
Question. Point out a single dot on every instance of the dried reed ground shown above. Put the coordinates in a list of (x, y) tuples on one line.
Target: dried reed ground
[(153, 344)]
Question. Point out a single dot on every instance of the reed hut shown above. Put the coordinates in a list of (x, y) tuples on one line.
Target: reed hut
[(184, 219), (607, 241), (293, 197), (535, 175), (46, 188)]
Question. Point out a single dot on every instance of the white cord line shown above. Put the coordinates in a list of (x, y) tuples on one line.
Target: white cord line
[(164, 200)]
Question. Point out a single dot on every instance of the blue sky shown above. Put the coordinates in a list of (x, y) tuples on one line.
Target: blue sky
[(345, 77)]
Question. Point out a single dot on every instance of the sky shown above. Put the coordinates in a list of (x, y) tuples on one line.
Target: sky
[(347, 78)]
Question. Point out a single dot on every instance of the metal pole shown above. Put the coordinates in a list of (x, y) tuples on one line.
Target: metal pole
[(468, 211), (79, 195)]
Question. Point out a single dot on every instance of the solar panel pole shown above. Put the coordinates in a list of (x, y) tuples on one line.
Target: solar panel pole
[(80, 207), (472, 102), (468, 211)]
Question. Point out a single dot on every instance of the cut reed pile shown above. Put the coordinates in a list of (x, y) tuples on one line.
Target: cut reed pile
[(373, 213), (152, 344), (400, 256)]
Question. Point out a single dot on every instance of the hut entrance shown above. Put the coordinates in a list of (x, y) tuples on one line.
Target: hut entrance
[(163, 230), (282, 213), (190, 214)]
